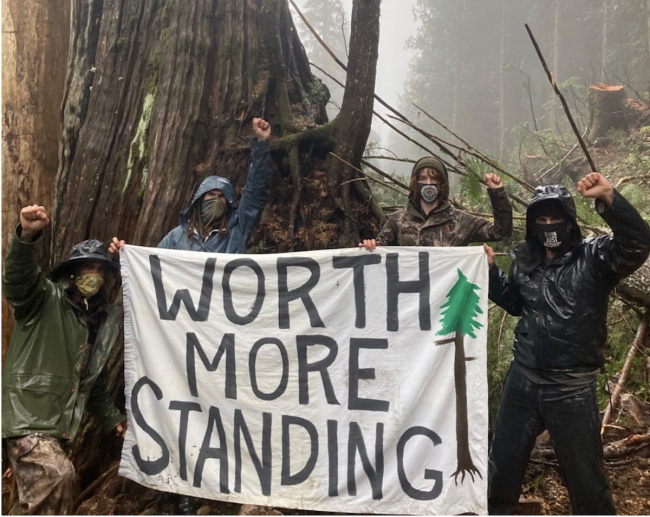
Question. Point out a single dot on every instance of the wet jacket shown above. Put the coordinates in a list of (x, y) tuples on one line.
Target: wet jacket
[(42, 386), (447, 226), (563, 304), (241, 220)]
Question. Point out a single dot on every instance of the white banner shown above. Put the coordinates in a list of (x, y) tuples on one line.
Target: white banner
[(335, 380)]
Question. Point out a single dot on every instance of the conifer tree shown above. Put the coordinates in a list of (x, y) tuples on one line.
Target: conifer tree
[(458, 315)]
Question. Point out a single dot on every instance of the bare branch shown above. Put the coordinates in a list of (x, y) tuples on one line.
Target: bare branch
[(366, 176)]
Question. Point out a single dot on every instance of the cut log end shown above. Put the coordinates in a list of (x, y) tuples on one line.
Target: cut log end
[(606, 87), (606, 104)]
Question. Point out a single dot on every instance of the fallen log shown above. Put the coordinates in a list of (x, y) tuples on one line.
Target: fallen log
[(636, 287), (630, 445)]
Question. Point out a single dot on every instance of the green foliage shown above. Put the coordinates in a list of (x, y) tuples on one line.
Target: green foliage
[(499, 353), (318, 93), (461, 307), (471, 184), (621, 334), (639, 197)]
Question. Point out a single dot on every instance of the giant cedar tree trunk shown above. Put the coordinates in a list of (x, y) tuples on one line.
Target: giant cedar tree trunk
[(161, 93), (34, 49)]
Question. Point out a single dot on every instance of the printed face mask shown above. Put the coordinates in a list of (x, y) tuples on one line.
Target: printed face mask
[(552, 235), (428, 193), (211, 210), (89, 283)]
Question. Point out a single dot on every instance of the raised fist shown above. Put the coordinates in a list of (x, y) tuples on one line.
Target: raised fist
[(595, 185), (32, 220), (262, 129), (493, 181)]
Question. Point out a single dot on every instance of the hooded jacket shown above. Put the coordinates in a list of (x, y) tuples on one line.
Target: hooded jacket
[(563, 304), (43, 390), (446, 226), (241, 220)]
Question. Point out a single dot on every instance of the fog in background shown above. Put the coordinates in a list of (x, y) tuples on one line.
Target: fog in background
[(471, 65)]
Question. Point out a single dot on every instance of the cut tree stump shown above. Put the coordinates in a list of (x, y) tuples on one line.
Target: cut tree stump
[(606, 104)]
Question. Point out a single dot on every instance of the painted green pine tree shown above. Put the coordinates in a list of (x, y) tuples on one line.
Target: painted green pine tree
[(458, 314)]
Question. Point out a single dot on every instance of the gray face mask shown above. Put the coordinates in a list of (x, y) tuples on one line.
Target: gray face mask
[(211, 210)]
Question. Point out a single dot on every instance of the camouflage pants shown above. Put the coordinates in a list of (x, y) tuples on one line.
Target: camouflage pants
[(44, 474)]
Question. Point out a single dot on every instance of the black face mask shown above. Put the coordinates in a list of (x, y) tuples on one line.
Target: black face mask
[(554, 235)]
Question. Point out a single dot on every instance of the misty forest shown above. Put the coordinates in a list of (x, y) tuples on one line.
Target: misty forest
[(114, 111)]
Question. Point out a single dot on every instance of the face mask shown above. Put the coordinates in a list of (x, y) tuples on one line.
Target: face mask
[(552, 235), (211, 210), (89, 283), (428, 193)]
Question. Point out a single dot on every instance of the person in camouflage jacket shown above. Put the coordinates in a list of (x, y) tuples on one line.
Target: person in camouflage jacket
[(428, 219)]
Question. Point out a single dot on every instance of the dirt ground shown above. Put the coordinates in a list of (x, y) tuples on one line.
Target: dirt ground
[(543, 490)]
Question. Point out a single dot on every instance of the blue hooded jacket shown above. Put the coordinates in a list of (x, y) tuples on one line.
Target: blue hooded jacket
[(242, 220)]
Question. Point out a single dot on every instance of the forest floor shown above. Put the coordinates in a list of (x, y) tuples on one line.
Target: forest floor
[(543, 489)]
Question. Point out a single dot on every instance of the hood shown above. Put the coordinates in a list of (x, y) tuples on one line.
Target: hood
[(431, 162), (531, 253), (435, 163), (208, 184), (563, 198)]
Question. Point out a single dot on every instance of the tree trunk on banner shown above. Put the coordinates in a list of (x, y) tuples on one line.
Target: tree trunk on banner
[(465, 464), (34, 51), (161, 94)]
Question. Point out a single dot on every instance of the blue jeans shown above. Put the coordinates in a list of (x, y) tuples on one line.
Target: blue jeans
[(571, 416)]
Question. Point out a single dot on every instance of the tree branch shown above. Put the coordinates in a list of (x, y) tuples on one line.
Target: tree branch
[(562, 100)]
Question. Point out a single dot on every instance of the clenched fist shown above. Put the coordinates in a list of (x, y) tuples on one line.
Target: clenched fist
[(493, 181), (595, 185), (262, 129), (32, 220)]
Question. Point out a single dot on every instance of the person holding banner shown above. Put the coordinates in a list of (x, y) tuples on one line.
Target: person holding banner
[(559, 283), (54, 370), (213, 223), (429, 219)]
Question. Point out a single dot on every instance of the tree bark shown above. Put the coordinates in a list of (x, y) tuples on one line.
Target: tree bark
[(160, 93), (35, 38), (355, 118), (606, 109)]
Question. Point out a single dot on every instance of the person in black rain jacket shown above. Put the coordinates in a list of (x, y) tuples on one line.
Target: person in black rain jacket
[(559, 283)]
